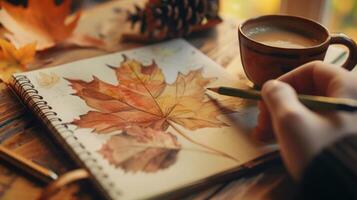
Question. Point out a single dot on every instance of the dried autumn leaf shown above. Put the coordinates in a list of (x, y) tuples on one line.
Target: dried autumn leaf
[(141, 149), (143, 98), (45, 23), (14, 60)]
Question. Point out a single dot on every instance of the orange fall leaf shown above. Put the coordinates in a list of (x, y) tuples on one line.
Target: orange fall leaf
[(141, 107), (45, 23), (144, 98), (14, 60)]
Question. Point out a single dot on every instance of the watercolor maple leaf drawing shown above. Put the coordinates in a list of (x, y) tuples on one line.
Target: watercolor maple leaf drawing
[(141, 107)]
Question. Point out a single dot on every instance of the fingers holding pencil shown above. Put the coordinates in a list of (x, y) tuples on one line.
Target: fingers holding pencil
[(313, 102)]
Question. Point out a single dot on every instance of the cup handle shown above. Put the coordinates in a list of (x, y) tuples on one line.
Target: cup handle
[(343, 39)]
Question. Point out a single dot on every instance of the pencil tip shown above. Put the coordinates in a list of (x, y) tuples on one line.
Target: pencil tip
[(53, 175), (213, 89)]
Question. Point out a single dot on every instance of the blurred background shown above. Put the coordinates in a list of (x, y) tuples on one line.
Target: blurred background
[(337, 15)]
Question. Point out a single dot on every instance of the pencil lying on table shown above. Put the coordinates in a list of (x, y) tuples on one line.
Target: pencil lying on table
[(28, 166), (313, 102)]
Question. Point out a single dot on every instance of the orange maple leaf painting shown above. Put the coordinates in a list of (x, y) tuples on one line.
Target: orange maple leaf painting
[(43, 22), (143, 99)]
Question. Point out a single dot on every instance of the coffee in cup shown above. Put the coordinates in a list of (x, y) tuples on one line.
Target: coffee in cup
[(275, 44), (279, 37)]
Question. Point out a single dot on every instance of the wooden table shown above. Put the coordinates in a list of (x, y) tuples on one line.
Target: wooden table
[(20, 132)]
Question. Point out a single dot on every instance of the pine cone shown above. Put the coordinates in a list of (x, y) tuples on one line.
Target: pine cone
[(163, 19)]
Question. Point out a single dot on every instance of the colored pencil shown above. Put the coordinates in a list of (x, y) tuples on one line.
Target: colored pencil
[(313, 102), (27, 166)]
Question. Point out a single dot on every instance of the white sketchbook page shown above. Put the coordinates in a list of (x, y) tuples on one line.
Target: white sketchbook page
[(192, 162)]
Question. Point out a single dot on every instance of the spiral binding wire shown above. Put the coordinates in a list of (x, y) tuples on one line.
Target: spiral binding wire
[(31, 97)]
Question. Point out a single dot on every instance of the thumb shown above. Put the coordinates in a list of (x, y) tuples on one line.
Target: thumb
[(283, 103)]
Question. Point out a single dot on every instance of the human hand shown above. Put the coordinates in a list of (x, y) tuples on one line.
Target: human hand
[(300, 132)]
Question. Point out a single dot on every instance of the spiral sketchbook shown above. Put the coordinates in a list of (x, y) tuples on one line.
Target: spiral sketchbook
[(141, 121)]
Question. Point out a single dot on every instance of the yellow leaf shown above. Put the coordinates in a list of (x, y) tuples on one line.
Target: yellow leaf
[(43, 22), (14, 60)]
